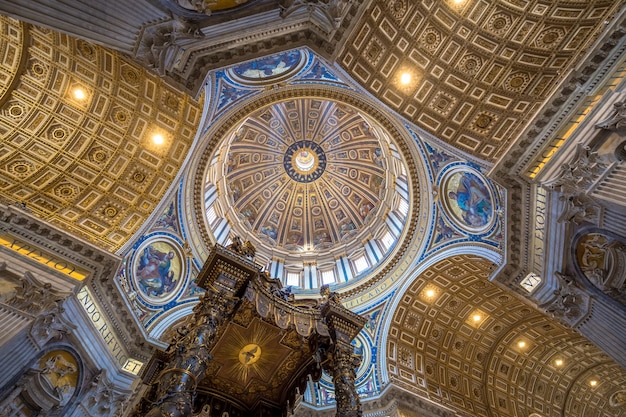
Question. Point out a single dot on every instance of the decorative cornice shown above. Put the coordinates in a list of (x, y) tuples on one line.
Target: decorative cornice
[(20, 223), (184, 49)]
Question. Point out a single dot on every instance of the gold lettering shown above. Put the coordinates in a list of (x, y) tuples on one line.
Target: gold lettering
[(43, 257)]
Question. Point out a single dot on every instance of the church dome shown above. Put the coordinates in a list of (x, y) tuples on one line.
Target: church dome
[(316, 185)]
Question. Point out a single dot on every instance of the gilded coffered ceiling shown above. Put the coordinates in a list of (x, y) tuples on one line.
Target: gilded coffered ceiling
[(460, 340), (77, 124), (479, 70)]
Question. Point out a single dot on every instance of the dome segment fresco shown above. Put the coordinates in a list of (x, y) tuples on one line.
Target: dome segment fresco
[(305, 174), (312, 183)]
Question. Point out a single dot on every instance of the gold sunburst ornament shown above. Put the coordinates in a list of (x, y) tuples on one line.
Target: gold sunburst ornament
[(250, 352)]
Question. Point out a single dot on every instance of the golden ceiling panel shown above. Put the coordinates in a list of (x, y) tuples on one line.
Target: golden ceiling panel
[(11, 53), (458, 339), (77, 127), (255, 362), (477, 71)]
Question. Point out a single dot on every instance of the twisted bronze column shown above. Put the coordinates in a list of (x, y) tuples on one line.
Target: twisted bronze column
[(341, 364), (189, 355), (340, 361)]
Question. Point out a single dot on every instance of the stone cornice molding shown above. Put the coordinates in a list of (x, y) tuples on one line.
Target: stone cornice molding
[(185, 50), (393, 398), (517, 231), (19, 223), (102, 266)]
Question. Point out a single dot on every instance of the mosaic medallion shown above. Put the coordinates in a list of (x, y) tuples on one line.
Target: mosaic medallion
[(468, 200), (158, 270), (271, 68)]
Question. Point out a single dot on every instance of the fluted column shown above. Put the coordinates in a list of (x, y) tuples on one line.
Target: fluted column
[(115, 24)]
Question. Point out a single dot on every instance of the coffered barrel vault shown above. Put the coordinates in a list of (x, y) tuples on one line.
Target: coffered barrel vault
[(87, 163), (479, 70)]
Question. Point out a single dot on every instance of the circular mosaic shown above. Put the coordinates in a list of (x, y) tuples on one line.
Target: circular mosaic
[(304, 161), (468, 200), (271, 68), (158, 270)]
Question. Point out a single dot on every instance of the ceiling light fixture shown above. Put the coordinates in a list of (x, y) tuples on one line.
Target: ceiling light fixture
[(405, 78), (158, 139), (79, 94), (558, 362)]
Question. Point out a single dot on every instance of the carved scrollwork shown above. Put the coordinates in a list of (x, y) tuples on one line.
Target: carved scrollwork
[(570, 304), (161, 43), (581, 174), (617, 120), (576, 181), (51, 324), (577, 208), (33, 297), (101, 400), (331, 10)]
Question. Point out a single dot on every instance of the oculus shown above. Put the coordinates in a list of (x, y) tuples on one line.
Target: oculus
[(305, 161)]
